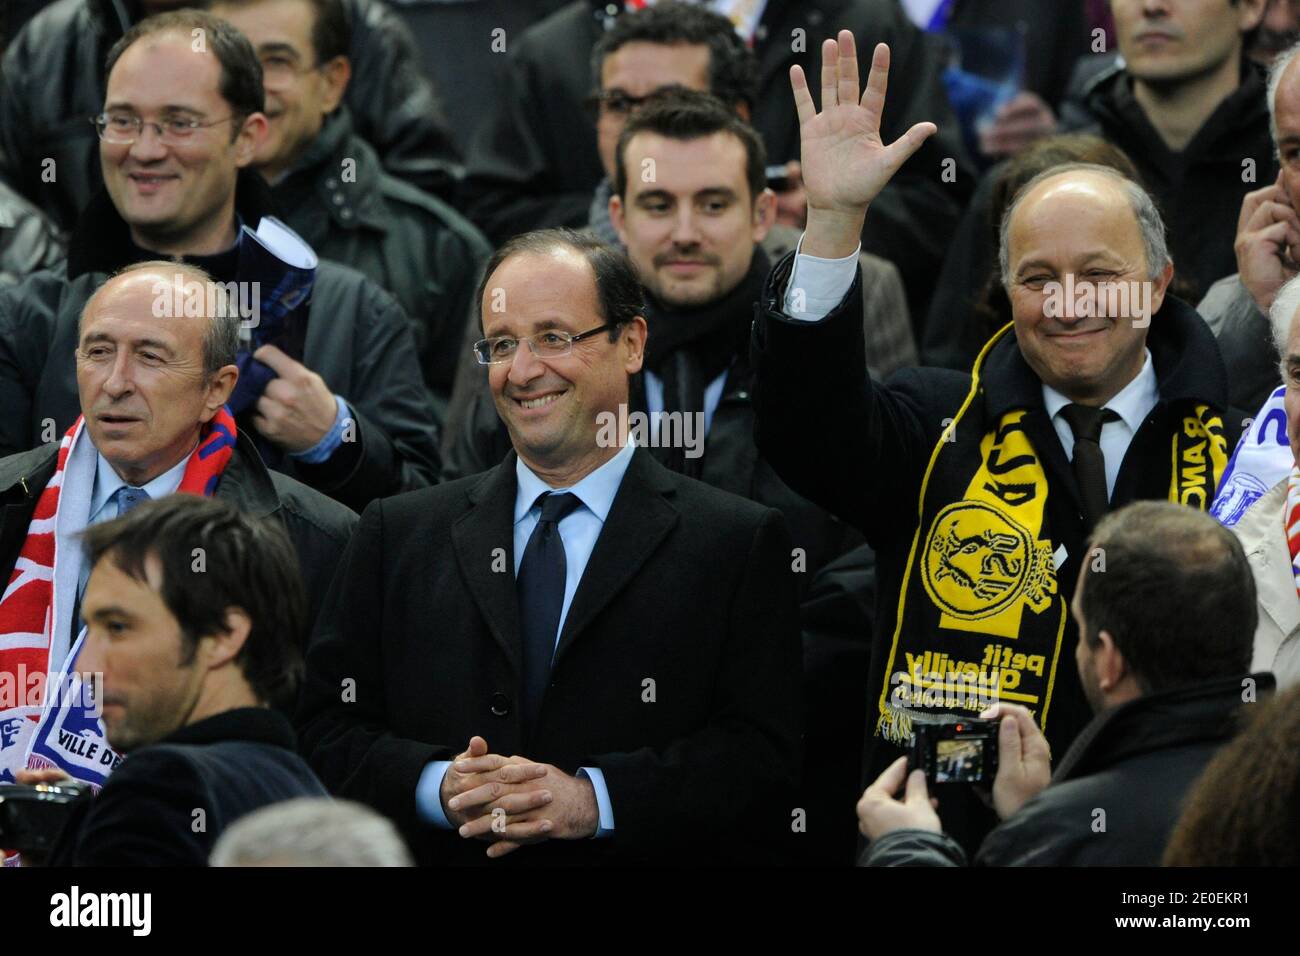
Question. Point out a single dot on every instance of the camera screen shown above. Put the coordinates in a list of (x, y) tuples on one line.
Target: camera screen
[(958, 761)]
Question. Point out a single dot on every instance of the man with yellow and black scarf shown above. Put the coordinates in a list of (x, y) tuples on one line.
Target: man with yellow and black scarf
[(978, 490)]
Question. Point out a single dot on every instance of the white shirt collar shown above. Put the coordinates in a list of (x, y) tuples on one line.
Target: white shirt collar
[(108, 481), (1133, 403), (596, 491)]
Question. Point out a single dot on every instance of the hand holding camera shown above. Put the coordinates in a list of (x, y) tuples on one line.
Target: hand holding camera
[(1024, 766), (1003, 747)]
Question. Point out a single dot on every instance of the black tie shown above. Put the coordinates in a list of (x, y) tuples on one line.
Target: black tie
[(540, 585), (1089, 463)]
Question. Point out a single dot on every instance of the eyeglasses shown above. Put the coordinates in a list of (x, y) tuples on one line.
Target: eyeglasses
[(618, 103), (552, 343), (126, 128), (280, 72)]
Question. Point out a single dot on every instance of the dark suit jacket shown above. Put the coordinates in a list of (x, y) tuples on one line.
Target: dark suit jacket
[(227, 765), (688, 587)]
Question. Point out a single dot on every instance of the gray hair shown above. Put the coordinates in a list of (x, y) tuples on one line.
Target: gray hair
[(1149, 221), (1275, 71), (311, 831), (1282, 314), (221, 339)]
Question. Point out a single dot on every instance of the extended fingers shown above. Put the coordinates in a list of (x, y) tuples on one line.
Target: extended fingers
[(803, 101), (830, 74), (873, 98), (848, 69)]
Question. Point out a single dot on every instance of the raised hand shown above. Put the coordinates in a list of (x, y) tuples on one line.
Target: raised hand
[(845, 163), (1268, 239)]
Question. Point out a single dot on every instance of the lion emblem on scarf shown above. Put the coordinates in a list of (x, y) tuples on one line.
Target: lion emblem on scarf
[(978, 562)]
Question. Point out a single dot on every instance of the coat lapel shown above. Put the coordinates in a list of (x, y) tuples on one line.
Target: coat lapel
[(640, 518), (1263, 537), (487, 526)]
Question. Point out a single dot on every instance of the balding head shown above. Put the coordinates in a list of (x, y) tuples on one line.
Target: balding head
[(1086, 266), (1058, 192), (155, 362), (185, 290)]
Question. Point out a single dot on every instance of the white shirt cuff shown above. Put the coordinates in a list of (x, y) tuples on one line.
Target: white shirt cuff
[(818, 285), (605, 827)]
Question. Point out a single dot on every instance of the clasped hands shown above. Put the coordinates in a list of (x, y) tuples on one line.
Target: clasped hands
[(513, 801)]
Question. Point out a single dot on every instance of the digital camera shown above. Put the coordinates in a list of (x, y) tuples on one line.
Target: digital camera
[(31, 817), (956, 750)]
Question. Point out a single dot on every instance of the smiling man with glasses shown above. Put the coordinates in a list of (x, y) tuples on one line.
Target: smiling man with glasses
[(180, 127), (627, 635)]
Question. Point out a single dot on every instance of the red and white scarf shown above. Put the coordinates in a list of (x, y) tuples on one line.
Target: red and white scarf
[(1291, 523), (29, 623)]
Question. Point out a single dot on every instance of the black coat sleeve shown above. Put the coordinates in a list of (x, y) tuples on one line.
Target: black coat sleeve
[(913, 848), (26, 327), (733, 780), (152, 812), (856, 449), (342, 718)]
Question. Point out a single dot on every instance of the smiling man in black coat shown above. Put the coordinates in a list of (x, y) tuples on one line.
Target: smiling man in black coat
[(630, 635), (977, 490)]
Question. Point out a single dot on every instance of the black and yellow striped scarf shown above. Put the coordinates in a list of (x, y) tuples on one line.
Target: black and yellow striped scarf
[(981, 617)]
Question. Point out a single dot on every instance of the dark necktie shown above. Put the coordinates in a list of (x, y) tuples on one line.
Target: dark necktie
[(1089, 463), (540, 585)]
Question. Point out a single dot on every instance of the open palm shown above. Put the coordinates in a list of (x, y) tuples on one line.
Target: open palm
[(845, 162)]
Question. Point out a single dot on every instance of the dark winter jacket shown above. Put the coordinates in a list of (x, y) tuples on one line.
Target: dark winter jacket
[(535, 163), (358, 340), (1114, 797), (404, 240), (882, 438), (53, 82)]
